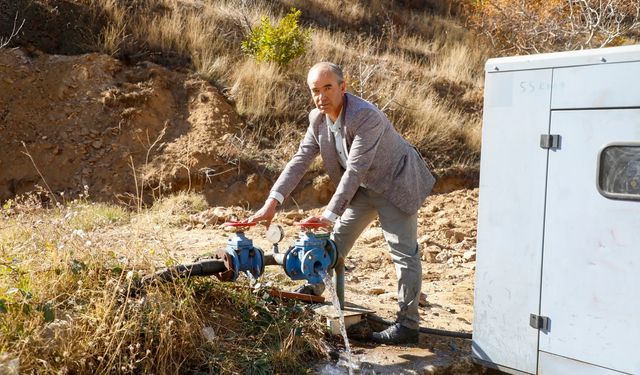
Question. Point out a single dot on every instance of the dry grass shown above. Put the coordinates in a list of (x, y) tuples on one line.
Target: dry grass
[(67, 303), (394, 64)]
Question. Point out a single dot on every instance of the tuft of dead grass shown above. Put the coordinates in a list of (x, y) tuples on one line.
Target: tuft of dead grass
[(68, 304)]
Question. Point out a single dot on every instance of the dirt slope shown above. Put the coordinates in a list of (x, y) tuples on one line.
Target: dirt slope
[(91, 120)]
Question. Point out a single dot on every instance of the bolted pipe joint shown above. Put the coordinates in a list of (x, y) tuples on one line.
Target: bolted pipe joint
[(311, 255)]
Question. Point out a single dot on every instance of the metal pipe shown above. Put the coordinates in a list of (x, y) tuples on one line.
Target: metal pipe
[(338, 280), (201, 268), (276, 259), (432, 331)]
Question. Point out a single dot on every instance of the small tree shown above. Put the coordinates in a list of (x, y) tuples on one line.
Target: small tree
[(279, 43)]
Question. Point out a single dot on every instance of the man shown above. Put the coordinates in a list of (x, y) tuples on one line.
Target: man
[(376, 172)]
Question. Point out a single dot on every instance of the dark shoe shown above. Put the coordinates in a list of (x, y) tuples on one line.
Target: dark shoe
[(312, 289), (396, 334)]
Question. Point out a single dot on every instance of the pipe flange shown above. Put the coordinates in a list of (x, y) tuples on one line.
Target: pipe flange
[(230, 263), (331, 248)]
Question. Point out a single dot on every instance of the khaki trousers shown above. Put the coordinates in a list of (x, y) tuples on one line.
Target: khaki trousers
[(400, 232)]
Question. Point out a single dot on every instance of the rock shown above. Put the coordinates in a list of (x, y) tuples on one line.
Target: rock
[(423, 239), (204, 218), (389, 296), (372, 235), (209, 334), (423, 300), (455, 236), (444, 255), (430, 370), (376, 291), (96, 144), (443, 223), (221, 212), (430, 254), (469, 256)]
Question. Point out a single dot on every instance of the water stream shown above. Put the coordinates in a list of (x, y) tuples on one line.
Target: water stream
[(343, 330)]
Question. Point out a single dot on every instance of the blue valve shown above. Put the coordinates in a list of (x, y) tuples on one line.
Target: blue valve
[(241, 256), (311, 255)]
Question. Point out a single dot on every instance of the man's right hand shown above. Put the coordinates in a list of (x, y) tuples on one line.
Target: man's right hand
[(266, 213)]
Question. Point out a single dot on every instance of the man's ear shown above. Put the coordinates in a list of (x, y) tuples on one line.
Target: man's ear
[(343, 86)]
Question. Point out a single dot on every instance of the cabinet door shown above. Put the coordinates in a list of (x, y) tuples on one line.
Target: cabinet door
[(591, 257), (510, 218)]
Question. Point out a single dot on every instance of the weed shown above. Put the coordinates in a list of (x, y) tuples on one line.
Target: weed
[(67, 303)]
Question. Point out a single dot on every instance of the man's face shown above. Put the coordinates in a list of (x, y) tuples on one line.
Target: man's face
[(327, 93)]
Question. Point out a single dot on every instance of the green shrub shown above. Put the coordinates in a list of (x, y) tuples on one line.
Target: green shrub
[(281, 43)]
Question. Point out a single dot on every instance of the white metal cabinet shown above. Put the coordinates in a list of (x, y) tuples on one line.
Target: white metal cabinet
[(549, 243), (591, 267)]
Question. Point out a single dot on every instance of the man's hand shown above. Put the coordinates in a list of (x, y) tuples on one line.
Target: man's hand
[(266, 213), (318, 219)]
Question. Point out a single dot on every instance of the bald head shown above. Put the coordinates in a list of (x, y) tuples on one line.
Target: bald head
[(325, 67)]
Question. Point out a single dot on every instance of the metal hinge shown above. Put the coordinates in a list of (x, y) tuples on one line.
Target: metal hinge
[(539, 322), (548, 141)]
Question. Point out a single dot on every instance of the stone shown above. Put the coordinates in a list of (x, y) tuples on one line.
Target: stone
[(430, 254), (372, 235), (430, 370), (454, 235), (469, 256), (376, 291), (423, 239), (443, 223), (389, 296), (221, 213), (209, 334), (423, 300)]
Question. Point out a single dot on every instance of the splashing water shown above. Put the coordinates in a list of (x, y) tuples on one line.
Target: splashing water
[(343, 330)]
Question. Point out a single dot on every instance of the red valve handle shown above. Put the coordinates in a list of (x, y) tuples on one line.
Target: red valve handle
[(238, 224), (309, 225)]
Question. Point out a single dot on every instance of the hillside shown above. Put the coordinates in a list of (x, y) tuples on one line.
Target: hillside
[(151, 119), (132, 129)]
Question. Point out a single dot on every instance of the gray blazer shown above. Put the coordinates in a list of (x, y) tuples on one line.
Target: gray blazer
[(379, 158)]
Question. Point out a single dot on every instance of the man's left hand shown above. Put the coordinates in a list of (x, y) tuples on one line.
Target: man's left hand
[(318, 219)]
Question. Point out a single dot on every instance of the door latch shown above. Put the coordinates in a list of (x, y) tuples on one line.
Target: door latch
[(550, 141), (539, 322)]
